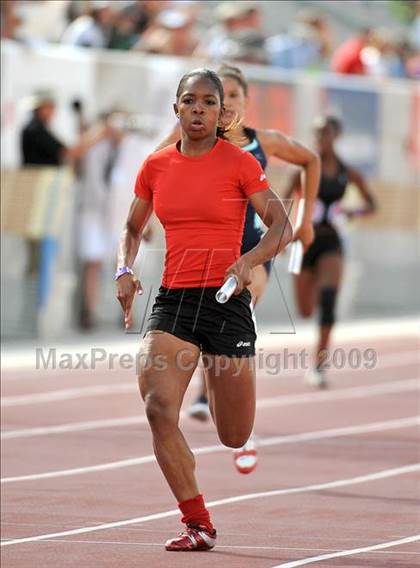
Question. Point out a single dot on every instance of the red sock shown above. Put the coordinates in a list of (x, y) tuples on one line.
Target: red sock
[(195, 513)]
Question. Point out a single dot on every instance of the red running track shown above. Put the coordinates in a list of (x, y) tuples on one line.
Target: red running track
[(337, 472)]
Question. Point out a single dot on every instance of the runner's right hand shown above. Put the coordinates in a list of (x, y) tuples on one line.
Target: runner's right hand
[(127, 287)]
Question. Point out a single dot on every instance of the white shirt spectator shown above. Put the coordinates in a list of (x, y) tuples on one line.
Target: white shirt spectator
[(85, 32)]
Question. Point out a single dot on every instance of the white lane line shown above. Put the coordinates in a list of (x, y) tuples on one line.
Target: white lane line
[(305, 398), (384, 474), (346, 393), (350, 552), (143, 531), (272, 441), (69, 394), (228, 546), (387, 361), (73, 427), (347, 333)]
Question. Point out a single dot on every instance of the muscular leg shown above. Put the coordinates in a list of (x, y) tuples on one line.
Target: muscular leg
[(329, 270), (162, 387), (257, 288), (231, 388), (305, 285)]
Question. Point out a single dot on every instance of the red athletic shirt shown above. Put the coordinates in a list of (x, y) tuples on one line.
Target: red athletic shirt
[(201, 203), (347, 58)]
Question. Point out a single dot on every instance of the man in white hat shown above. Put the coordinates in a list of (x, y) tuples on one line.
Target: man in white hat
[(234, 18), (41, 147), (92, 29)]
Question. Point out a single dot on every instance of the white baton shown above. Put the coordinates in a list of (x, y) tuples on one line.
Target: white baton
[(227, 290), (296, 248)]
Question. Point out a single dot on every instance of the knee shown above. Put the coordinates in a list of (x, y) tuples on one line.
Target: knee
[(327, 304), (305, 311), (234, 439), (159, 413)]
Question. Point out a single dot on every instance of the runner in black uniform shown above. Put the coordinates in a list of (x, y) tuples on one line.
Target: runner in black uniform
[(319, 282), (327, 239), (262, 144)]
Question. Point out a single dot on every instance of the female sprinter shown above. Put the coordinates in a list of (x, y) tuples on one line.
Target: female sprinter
[(262, 144), (319, 282), (198, 189)]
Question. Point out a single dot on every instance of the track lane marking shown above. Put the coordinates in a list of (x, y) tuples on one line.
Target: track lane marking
[(389, 387), (349, 552), (264, 442), (233, 546), (384, 474), (58, 395)]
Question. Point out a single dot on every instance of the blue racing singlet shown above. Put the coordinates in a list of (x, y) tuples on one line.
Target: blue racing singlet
[(252, 227)]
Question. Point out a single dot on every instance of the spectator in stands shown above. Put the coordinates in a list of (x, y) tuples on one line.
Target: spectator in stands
[(92, 29), (376, 53), (173, 33), (132, 20), (38, 144), (124, 35), (239, 28), (40, 147), (10, 21), (411, 59), (414, 34), (144, 13), (94, 242), (306, 46), (347, 59)]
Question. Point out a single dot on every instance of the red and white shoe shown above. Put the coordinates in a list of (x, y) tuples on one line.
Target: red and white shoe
[(245, 458), (193, 538)]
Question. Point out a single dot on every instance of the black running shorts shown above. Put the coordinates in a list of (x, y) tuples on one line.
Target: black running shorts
[(327, 241), (194, 315)]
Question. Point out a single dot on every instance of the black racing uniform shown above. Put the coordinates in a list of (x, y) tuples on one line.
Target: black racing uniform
[(327, 240), (252, 229)]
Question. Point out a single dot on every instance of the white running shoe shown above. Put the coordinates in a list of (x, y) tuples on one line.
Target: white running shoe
[(199, 410), (245, 458), (316, 378)]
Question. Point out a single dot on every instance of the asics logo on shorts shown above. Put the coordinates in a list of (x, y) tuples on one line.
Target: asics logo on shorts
[(243, 344), (262, 177)]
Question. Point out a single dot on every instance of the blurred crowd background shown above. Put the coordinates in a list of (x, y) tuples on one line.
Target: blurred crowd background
[(87, 91), (375, 38)]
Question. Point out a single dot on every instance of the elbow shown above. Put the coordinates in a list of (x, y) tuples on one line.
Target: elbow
[(132, 230), (312, 162), (315, 160), (285, 229), (288, 232)]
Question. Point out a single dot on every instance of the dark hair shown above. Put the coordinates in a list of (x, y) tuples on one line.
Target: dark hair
[(231, 72), (329, 120), (204, 73), (335, 124)]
